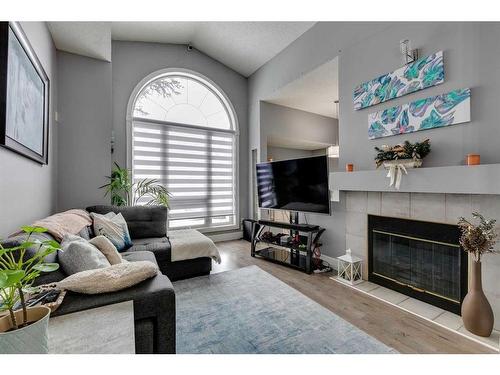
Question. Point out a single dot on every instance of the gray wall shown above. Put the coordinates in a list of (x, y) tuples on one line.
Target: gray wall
[(319, 152), (133, 61), (279, 122), (367, 50), (27, 189), (285, 153), (318, 45), (472, 59), (85, 130), (93, 101)]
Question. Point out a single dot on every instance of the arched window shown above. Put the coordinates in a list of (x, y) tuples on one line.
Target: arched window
[(184, 133)]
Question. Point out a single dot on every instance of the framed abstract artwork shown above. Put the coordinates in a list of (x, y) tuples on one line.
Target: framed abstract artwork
[(425, 72), (24, 96), (429, 113)]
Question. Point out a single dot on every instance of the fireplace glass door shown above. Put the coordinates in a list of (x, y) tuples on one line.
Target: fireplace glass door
[(421, 264), (421, 259)]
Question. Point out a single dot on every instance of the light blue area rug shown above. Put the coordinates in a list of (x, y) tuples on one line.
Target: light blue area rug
[(250, 311)]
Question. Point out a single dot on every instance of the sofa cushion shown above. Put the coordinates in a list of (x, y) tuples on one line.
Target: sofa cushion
[(50, 277), (114, 227), (159, 246), (87, 232), (142, 221), (79, 255), (139, 255)]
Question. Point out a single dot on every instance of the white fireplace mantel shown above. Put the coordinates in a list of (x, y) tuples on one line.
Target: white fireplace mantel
[(479, 179)]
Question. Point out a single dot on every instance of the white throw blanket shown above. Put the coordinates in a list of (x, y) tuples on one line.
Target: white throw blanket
[(191, 244)]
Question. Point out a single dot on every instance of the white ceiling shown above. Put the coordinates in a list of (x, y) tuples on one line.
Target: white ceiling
[(92, 39), (242, 46), (314, 92)]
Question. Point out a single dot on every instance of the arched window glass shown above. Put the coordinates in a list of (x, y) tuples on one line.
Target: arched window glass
[(183, 100), (184, 135)]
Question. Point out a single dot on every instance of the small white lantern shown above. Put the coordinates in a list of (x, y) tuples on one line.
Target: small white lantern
[(350, 270)]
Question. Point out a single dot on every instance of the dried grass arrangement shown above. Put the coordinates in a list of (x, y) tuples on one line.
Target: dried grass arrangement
[(478, 239)]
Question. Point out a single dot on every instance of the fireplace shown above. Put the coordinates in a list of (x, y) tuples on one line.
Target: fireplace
[(420, 259)]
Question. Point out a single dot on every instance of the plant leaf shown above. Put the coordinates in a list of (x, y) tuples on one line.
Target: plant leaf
[(11, 277), (29, 229), (27, 244), (3, 279), (46, 267), (52, 243)]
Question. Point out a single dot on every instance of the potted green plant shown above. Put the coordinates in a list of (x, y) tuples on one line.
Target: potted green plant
[(124, 192), (477, 240), (24, 330)]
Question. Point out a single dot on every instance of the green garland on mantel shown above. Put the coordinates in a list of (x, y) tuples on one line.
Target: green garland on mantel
[(407, 150)]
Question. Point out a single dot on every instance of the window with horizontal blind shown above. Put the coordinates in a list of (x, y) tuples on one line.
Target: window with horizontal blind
[(184, 135)]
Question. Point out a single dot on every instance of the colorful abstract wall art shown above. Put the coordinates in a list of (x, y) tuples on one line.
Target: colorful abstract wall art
[(423, 73), (434, 112)]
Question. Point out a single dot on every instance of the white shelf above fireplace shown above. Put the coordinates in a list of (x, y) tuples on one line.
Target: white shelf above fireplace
[(479, 179)]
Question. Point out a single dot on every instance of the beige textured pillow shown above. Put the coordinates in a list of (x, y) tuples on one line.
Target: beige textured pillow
[(106, 247), (109, 279)]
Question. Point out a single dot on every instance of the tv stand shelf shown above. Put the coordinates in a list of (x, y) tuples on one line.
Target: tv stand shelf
[(295, 254), (299, 227)]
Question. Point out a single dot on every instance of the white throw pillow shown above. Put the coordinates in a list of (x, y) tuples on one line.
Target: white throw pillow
[(114, 228)]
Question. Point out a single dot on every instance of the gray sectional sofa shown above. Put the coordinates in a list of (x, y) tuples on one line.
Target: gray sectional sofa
[(148, 229), (154, 299)]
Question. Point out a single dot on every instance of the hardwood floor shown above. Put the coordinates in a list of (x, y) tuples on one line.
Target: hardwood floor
[(402, 331)]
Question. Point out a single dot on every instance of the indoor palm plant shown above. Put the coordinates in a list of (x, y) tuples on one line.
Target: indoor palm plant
[(24, 330), (477, 240), (124, 192)]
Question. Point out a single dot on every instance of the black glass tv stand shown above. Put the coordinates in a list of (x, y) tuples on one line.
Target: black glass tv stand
[(296, 253)]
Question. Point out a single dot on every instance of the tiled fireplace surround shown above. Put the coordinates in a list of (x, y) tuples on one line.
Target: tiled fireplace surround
[(440, 208)]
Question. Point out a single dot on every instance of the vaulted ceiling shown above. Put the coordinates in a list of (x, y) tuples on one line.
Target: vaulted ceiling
[(315, 92), (242, 46)]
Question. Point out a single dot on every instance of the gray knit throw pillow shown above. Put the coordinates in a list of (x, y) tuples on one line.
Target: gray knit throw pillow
[(79, 255)]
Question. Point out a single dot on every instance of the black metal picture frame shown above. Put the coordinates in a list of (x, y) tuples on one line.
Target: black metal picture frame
[(24, 130)]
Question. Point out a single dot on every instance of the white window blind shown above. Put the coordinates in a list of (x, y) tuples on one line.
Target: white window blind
[(195, 164)]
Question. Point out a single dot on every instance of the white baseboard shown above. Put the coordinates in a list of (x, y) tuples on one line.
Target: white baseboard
[(230, 236)]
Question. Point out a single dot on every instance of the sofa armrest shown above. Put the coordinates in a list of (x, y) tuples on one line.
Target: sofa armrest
[(154, 301)]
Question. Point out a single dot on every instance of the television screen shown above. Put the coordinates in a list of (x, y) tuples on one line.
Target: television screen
[(294, 185)]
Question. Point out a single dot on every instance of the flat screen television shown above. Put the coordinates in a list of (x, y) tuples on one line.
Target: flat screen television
[(294, 185)]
